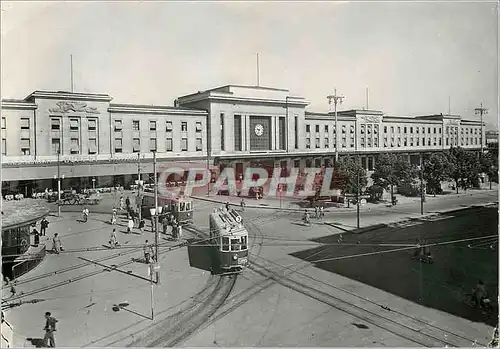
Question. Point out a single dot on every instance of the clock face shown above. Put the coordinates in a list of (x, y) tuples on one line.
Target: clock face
[(259, 130)]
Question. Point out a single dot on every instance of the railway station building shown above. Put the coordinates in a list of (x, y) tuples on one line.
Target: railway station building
[(90, 140)]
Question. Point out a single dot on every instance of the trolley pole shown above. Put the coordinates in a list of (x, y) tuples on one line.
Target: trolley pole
[(336, 100), (357, 192), (157, 233), (152, 291), (481, 111), (422, 196), (139, 186), (58, 183)]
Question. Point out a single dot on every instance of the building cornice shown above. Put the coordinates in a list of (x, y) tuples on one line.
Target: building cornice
[(143, 109), (228, 97), (6, 104), (70, 96)]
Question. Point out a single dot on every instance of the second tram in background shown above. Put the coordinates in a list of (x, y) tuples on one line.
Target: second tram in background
[(181, 208), (229, 239)]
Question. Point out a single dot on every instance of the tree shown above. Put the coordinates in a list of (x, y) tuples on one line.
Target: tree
[(346, 175), (391, 170), (489, 165), (436, 169), (464, 167)]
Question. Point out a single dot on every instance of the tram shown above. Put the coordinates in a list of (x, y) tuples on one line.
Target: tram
[(181, 208), (229, 239)]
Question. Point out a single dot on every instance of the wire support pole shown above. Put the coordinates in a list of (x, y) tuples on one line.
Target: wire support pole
[(156, 218), (481, 111), (336, 101)]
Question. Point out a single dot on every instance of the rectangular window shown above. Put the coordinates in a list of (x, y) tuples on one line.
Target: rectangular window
[(362, 129), (118, 125), (199, 144), (343, 129), (399, 141), (56, 146), (92, 145), (428, 141), (434, 130), (25, 146), (416, 129), (25, 124), (168, 127), (428, 130), (399, 129), (435, 141), (362, 143), (375, 142), (385, 129), (296, 132), (404, 129), (73, 124), (308, 128), (136, 125), (447, 141), (184, 144), (55, 124), (317, 143), (370, 163), (327, 143), (3, 123), (392, 129), (326, 128), (237, 133), (152, 125), (118, 145), (308, 143), (352, 129), (75, 146), (439, 129), (405, 142), (198, 126), (222, 131), (317, 128), (152, 144), (4, 146), (169, 144), (282, 133), (418, 140), (184, 126), (375, 129), (92, 124), (439, 141), (369, 142), (136, 145), (352, 142), (296, 163)]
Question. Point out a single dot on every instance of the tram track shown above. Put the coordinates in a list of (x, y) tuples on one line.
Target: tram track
[(410, 328)]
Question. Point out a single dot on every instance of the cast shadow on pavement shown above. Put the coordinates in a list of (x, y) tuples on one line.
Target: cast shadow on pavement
[(37, 342)]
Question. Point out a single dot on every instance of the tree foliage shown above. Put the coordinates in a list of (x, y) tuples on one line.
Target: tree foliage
[(346, 175), (391, 170), (464, 167), (489, 165), (437, 168)]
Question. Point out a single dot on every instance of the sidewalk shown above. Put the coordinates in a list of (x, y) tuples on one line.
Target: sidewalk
[(291, 204), (82, 298)]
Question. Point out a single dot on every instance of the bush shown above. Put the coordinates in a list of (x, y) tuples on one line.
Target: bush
[(409, 190), (375, 193)]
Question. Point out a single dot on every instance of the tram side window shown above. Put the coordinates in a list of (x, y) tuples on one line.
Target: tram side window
[(225, 244), (244, 245), (188, 206), (235, 244), (182, 206)]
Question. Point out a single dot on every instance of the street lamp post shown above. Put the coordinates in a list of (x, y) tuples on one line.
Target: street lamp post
[(336, 100), (422, 195), (93, 183), (58, 177), (357, 192), (481, 111), (139, 181), (157, 213)]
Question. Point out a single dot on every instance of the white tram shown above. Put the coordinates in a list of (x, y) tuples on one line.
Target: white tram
[(229, 239)]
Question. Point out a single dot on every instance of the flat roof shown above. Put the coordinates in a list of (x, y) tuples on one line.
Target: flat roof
[(23, 212)]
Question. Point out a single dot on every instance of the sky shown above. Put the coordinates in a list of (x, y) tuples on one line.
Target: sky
[(415, 58)]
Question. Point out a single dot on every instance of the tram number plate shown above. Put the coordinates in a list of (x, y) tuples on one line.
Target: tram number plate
[(242, 260)]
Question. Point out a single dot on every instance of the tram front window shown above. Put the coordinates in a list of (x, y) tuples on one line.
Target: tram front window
[(225, 244), (188, 206), (244, 244), (235, 244), (182, 207)]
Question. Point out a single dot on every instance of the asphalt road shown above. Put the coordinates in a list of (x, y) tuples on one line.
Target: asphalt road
[(456, 270)]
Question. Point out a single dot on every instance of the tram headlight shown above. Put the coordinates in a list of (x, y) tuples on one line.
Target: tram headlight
[(235, 257)]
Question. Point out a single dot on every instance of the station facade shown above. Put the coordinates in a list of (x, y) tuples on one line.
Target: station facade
[(233, 125)]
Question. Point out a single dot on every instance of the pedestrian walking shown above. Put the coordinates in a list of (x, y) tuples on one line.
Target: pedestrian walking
[(316, 212), (141, 226), (113, 216), (179, 232), (147, 252), (339, 240), (242, 203), (113, 239), (50, 328), (121, 203), (174, 229), (10, 285), (85, 214), (227, 205), (44, 224), (56, 244), (36, 237), (306, 218), (130, 225), (321, 212), (127, 203)]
